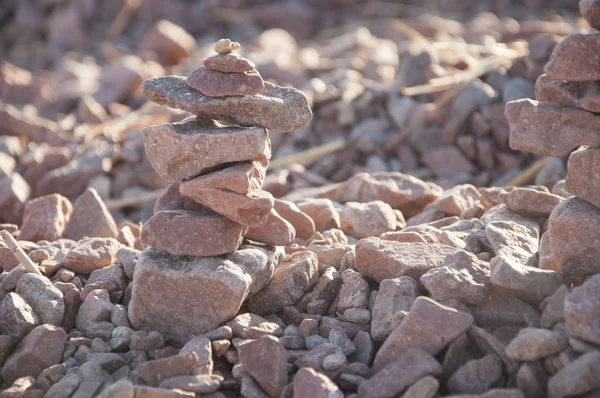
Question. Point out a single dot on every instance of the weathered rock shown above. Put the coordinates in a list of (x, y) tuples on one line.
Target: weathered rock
[(201, 346), (242, 178), (277, 108), (553, 307), (45, 299), (532, 344), (179, 231), (394, 295), (17, 317), (429, 326), (252, 326), (170, 42), (477, 376), (291, 279), (45, 218), (266, 361), (225, 46), (276, 231), (573, 59), (228, 63), (251, 209), (549, 130), (505, 309), (90, 218), (302, 223), (581, 178), (530, 202), (193, 146), (532, 379), (580, 309), (457, 200), (308, 383), (363, 220), (408, 368), (574, 240), (93, 318), (203, 384), (447, 161), (322, 295), (212, 83), (184, 296), (322, 212), (41, 348), (527, 283), (580, 95), (92, 254), (463, 276), (577, 378), (13, 195), (381, 259), (590, 9), (155, 372), (425, 387)]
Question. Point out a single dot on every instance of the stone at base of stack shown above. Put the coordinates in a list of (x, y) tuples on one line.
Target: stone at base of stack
[(197, 271), (565, 117)]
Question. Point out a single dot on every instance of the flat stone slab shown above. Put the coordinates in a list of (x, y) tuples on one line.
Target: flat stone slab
[(188, 233), (185, 296), (240, 177), (580, 95), (277, 108), (213, 83), (583, 177), (549, 130), (228, 63), (575, 59), (185, 149)]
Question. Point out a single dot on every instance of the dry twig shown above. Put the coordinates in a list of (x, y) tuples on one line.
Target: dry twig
[(20, 255), (122, 18), (529, 173), (309, 156)]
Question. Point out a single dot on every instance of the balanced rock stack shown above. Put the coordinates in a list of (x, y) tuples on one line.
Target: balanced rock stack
[(565, 120), (198, 270)]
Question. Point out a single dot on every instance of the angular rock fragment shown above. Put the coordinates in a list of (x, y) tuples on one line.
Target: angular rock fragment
[(530, 202), (395, 295), (242, 178), (579, 95), (363, 220), (92, 254), (252, 326), (532, 344), (308, 383), (276, 108), (477, 376), (45, 218), (577, 378), (266, 361), (302, 223), (43, 297), (228, 63), (580, 309), (90, 218), (574, 59), (590, 9), (323, 213), (18, 318), (276, 231), (212, 83), (582, 175)]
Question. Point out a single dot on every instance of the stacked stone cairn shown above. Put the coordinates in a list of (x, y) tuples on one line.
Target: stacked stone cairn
[(212, 241), (565, 120)]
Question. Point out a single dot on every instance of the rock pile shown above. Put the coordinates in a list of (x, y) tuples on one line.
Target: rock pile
[(195, 260), (565, 119)]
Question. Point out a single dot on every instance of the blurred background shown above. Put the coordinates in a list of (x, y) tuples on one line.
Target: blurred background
[(413, 86)]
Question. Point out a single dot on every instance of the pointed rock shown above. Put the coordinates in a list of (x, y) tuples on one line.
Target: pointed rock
[(90, 218), (276, 231), (45, 218)]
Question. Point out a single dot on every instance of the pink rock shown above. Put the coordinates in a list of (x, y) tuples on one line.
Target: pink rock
[(41, 348), (45, 218), (545, 129), (381, 259), (275, 231), (457, 200), (530, 202), (322, 212), (574, 59), (170, 42), (242, 178), (218, 84), (308, 383), (395, 295), (302, 223), (591, 12), (14, 192), (185, 149), (251, 209), (580, 309), (266, 361), (92, 254), (447, 162), (582, 177), (363, 220), (18, 318), (580, 95), (155, 372), (172, 199), (90, 218), (251, 326), (229, 63), (179, 231)]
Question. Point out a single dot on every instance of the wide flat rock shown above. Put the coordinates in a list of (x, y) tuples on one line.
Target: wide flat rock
[(185, 149), (240, 177), (277, 108), (189, 233), (228, 63), (183, 296), (549, 130), (575, 59), (213, 83), (580, 95)]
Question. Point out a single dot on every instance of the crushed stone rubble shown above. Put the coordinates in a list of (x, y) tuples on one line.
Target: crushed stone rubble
[(376, 271)]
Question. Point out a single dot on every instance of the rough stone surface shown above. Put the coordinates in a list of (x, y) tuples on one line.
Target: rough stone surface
[(577, 378), (458, 199), (302, 223), (580, 310), (531, 202), (44, 298), (242, 178), (276, 231), (277, 108), (179, 231), (213, 83), (532, 344), (45, 218), (395, 295), (188, 148), (574, 59), (363, 220), (266, 361), (18, 319), (252, 326), (183, 296), (92, 254), (582, 178), (477, 376), (90, 218), (381, 259), (322, 212), (308, 383), (591, 12), (157, 371), (580, 95), (228, 63), (429, 326)]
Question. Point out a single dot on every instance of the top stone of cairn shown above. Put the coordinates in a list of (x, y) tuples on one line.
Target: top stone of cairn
[(225, 46)]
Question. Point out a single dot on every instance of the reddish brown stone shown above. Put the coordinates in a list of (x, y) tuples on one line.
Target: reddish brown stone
[(188, 233), (155, 372), (580, 95), (266, 361), (170, 42), (241, 178), (548, 130), (275, 231), (172, 199), (251, 209), (363, 220), (302, 223), (308, 383), (185, 149), (229, 63), (583, 178), (322, 212), (45, 218), (14, 192), (575, 59), (92, 254), (18, 318), (530, 203), (90, 218), (218, 84), (591, 12), (447, 162)]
